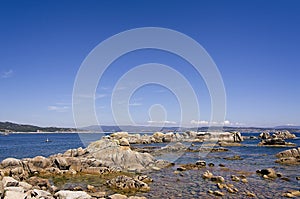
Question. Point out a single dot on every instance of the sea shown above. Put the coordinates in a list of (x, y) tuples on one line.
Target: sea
[(189, 183)]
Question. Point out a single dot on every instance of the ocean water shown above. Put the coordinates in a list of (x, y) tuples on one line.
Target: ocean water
[(190, 183), (34, 144)]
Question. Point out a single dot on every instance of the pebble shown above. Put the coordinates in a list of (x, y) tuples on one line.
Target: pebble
[(220, 186), (211, 165), (230, 190), (218, 193), (201, 163), (294, 193), (156, 168), (265, 177), (181, 169), (288, 195), (244, 180), (230, 185), (243, 176), (285, 179), (235, 178), (90, 187), (249, 194), (98, 194)]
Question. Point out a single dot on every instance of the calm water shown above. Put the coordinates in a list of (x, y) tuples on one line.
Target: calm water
[(31, 145)]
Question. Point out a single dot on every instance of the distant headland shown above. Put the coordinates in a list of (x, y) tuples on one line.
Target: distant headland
[(10, 127)]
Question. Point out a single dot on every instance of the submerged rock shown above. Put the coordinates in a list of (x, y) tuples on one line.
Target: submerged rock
[(225, 144), (235, 157), (126, 183), (275, 142)]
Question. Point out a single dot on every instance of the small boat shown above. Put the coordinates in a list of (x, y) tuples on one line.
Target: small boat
[(47, 140)]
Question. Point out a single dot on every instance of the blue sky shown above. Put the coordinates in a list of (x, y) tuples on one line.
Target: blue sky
[(255, 45)]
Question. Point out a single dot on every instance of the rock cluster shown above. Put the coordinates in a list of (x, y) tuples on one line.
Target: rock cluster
[(268, 173), (277, 134), (279, 142), (189, 136), (129, 184), (19, 178), (41, 188), (284, 135), (13, 189), (291, 156), (222, 185), (210, 176), (276, 139)]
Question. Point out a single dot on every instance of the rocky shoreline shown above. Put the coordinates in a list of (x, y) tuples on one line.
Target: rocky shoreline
[(123, 170)]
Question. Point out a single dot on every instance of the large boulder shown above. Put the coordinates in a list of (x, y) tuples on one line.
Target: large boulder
[(237, 137), (111, 154), (36, 193), (134, 138), (291, 156), (171, 148), (220, 136), (124, 142), (191, 134), (75, 152), (1, 189), (9, 182), (40, 162), (14, 194), (36, 164), (39, 182), (65, 194), (119, 135), (158, 136), (10, 162), (117, 196), (61, 163), (169, 137), (267, 173), (289, 153), (264, 135), (284, 135)]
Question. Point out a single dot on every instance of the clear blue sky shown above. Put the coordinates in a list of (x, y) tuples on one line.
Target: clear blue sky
[(255, 44)]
